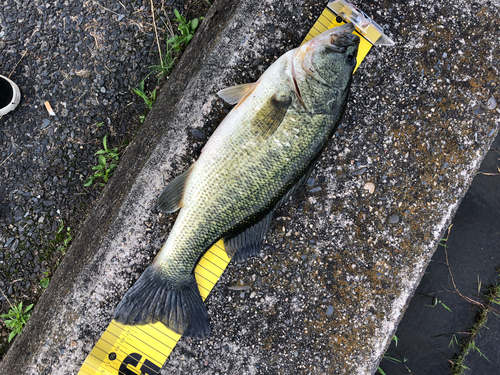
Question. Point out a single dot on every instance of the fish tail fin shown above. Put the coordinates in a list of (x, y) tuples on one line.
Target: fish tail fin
[(155, 298)]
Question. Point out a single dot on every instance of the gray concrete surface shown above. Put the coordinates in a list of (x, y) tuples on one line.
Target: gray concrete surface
[(473, 258), (340, 264)]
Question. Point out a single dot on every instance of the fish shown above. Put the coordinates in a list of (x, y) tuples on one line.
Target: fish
[(262, 151)]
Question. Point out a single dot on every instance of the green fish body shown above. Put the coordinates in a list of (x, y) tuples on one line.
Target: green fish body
[(259, 154)]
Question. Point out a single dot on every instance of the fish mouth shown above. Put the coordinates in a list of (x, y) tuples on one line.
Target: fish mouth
[(342, 37)]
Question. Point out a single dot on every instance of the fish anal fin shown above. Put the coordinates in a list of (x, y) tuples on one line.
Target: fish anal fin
[(248, 242), (170, 200), (234, 94), (270, 116)]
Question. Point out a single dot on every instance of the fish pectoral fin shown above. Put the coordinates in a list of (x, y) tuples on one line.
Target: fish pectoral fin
[(170, 200), (234, 94), (270, 116), (248, 243)]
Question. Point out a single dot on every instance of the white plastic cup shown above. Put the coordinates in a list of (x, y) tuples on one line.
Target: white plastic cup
[(10, 96)]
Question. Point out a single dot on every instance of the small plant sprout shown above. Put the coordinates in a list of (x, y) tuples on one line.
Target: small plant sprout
[(166, 65), (44, 283), (444, 241), (107, 162), (436, 301), (396, 340), (63, 237), (454, 341), (148, 99), (390, 359), (16, 318), (186, 29)]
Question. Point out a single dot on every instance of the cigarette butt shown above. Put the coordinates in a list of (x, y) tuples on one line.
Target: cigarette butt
[(49, 109)]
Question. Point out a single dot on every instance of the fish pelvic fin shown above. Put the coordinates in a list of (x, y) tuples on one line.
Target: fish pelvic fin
[(235, 94), (269, 117), (170, 200), (154, 298)]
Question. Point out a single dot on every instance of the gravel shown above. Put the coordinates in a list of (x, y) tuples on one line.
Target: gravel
[(84, 58)]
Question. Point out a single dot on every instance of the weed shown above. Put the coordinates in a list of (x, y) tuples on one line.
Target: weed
[(16, 318), (176, 43), (396, 340), (468, 344), (454, 341), (394, 360), (64, 237), (44, 283), (107, 162), (166, 65), (168, 60), (444, 241), (148, 99), (390, 359), (436, 301), (187, 29)]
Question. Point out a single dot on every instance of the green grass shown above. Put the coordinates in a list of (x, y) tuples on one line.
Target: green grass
[(175, 44), (167, 62), (149, 99), (394, 360), (16, 318), (468, 344), (436, 301), (107, 159)]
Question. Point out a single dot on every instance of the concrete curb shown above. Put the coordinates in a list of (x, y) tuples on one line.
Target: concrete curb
[(330, 299)]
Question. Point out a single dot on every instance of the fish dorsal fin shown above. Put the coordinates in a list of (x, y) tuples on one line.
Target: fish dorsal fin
[(234, 94), (170, 200), (270, 116)]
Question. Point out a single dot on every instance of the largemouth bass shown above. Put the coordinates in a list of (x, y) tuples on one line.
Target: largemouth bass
[(263, 149)]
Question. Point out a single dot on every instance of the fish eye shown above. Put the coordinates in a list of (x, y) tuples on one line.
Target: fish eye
[(351, 59)]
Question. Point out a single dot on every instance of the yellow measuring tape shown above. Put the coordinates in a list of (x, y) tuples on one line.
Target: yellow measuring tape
[(329, 20), (132, 350)]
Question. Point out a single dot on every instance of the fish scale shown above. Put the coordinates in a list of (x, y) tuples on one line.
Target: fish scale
[(266, 180)]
